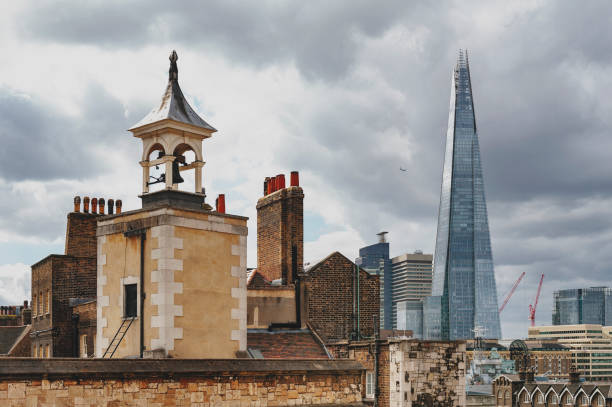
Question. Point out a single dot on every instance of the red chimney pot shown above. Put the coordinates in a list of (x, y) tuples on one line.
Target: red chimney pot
[(221, 203), (295, 179), (94, 205), (118, 206), (272, 184), (280, 181), (86, 204)]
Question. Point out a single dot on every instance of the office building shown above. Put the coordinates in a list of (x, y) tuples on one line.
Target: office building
[(412, 274), (590, 345), (375, 260), (582, 306), (464, 296)]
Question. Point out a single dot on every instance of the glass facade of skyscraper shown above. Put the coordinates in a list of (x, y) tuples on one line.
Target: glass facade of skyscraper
[(464, 279), (375, 260), (582, 306)]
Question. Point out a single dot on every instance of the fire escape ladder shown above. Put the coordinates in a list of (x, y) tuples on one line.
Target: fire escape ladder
[(119, 335)]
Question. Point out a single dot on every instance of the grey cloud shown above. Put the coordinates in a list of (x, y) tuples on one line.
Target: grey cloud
[(41, 143), (321, 37)]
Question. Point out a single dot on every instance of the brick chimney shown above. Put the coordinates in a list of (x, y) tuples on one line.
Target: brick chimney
[(81, 234), (280, 230)]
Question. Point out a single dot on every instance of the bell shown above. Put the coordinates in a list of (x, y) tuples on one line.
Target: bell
[(176, 175)]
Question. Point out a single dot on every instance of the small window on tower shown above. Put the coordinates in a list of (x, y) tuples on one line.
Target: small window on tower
[(130, 295)]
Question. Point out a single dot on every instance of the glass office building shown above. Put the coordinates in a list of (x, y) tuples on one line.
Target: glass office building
[(582, 306), (464, 295), (375, 260), (411, 281)]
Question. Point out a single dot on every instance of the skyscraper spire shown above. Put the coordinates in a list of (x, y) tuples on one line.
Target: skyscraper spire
[(464, 294)]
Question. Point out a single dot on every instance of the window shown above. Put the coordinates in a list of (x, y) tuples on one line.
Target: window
[(40, 303), (600, 401), (568, 400), (130, 298), (526, 397), (47, 354), (499, 394), (34, 307), (83, 346), (507, 395), (35, 351), (40, 351), (585, 400), (540, 398), (370, 385), (48, 301)]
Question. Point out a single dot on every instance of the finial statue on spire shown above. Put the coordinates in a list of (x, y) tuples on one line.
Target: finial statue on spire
[(173, 72)]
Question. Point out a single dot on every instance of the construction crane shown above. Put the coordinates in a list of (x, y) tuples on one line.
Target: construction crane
[(532, 308), (511, 292)]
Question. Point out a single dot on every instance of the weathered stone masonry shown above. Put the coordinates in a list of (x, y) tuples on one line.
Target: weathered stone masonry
[(70, 382)]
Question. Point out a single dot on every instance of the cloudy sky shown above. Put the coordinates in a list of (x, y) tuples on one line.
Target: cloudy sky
[(346, 92)]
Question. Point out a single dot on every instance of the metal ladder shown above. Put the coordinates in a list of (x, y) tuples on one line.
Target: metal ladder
[(125, 325)]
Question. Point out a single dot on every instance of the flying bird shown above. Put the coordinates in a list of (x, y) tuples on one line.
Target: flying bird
[(403, 169)]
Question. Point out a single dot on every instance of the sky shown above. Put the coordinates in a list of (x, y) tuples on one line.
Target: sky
[(345, 92)]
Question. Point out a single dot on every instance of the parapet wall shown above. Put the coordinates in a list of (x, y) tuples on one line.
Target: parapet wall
[(244, 382)]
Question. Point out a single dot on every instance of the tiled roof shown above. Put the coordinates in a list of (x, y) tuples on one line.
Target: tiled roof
[(8, 336), (285, 344), (256, 280)]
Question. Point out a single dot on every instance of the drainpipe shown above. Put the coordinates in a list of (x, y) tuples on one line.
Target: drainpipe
[(143, 237), (358, 262)]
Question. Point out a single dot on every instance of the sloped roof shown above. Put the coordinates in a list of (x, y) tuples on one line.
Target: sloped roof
[(173, 105), (285, 344), (8, 336)]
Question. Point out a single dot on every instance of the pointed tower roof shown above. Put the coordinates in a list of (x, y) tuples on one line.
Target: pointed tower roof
[(173, 105)]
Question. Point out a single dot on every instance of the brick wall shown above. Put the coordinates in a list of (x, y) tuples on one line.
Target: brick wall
[(72, 275), (86, 325), (179, 382), (81, 234), (330, 299), (280, 234)]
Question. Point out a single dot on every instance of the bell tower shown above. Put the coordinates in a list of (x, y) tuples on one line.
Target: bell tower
[(169, 131)]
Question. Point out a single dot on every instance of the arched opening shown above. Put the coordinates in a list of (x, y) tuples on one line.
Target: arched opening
[(156, 151), (188, 167)]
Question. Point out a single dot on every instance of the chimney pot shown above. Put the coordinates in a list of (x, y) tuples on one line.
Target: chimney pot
[(25, 304), (273, 184), (94, 205), (295, 179), (111, 206), (118, 206), (280, 181), (77, 203), (221, 203), (101, 206), (86, 204)]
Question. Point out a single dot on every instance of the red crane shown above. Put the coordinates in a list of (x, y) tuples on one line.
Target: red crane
[(532, 308), (511, 292)]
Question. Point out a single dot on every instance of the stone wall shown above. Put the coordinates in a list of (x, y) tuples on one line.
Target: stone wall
[(426, 373), (71, 382)]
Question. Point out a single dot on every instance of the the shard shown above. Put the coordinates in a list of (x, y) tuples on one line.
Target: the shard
[(463, 304)]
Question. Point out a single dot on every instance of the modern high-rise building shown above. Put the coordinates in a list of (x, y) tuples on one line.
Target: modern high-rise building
[(464, 296), (375, 260), (412, 274), (582, 306)]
